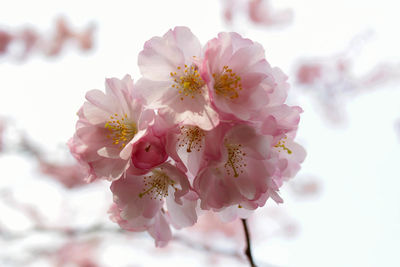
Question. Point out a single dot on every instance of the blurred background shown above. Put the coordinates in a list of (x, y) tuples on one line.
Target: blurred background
[(343, 62)]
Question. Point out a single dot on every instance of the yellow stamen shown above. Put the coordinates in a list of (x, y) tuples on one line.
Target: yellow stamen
[(235, 159), (191, 137), (188, 82), (281, 145), (121, 131), (157, 184), (227, 83)]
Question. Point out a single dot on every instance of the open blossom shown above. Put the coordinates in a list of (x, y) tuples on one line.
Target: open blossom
[(109, 126), (140, 200), (233, 69), (171, 79), (236, 173)]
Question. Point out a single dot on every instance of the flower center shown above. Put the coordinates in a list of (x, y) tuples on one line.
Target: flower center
[(121, 129), (235, 160), (227, 83), (281, 145), (156, 185), (188, 82), (191, 137)]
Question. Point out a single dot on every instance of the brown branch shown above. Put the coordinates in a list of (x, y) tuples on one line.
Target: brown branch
[(248, 247)]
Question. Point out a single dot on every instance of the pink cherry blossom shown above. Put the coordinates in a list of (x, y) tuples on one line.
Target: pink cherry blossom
[(171, 79), (149, 151), (234, 69), (201, 130), (186, 145), (277, 118), (109, 126), (140, 202), (236, 173), (156, 226), (284, 163)]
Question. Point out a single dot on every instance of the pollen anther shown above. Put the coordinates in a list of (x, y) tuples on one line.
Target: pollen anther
[(188, 82), (156, 185), (236, 159), (281, 145), (191, 137), (121, 130), (227, 83)]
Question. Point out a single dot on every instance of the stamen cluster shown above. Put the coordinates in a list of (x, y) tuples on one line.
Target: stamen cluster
[(121, 130), (189, 82), (227, 84)]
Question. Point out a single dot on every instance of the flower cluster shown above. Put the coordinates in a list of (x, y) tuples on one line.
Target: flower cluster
[(204, 128)]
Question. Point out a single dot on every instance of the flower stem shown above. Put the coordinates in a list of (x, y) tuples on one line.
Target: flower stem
[(248, 247)]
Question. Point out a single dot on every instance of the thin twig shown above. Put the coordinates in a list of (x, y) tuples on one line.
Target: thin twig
[(248, 247)]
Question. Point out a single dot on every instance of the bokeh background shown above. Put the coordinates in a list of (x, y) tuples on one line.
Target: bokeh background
[(343, 62)]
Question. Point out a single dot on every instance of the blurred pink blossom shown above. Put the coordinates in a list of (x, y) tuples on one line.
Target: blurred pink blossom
[(63, 33), (5, 39), (260, 12), (305, 187), (210, 223), (77, 253), (332, 80), (309, 73), (72, 175), (29, 41)]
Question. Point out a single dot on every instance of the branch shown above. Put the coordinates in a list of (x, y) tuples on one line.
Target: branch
[(248, 247)]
